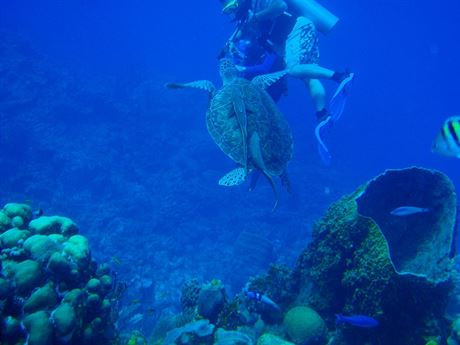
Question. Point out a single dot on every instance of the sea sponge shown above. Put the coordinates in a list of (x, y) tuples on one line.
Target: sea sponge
[(211, 300), (304, 326)]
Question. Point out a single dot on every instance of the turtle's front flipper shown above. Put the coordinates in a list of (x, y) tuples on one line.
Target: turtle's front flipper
[(264, 81), (233, 178), (205, 85), (256, 155), (240, 111)]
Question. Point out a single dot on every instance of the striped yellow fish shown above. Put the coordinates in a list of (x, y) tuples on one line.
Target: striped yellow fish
[(447, 142)]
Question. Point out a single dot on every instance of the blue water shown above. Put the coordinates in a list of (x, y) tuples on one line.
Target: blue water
[(87, 129)]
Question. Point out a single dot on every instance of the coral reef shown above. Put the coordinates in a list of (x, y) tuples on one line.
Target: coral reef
[(352, 267), (51, 290)]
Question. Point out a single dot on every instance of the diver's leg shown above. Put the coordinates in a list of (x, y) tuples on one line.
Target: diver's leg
[(317, 93), (307, 71)]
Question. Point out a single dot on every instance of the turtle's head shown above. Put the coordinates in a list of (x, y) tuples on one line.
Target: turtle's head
[(227, 70)]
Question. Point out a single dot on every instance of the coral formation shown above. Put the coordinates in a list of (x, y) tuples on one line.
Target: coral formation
[(51, 290), (270, 339), (304, 326)]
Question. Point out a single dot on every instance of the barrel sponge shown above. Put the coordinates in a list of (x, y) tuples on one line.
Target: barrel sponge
[(39, 328), (304, 326), (12, 237), (211, 300), (270, 339), (53, 225), (43, 298), (77, 248), (27, 275), (22, 210), (64, 319), (41, 247)]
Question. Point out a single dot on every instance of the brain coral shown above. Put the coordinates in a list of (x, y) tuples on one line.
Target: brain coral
[(304, 326)]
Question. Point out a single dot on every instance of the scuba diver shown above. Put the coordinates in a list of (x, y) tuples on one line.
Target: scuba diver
[(252, 59), (249, 50), (289, 28)]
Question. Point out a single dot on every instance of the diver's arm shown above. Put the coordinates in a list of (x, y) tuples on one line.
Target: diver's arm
[(275, 9), (265, 67)]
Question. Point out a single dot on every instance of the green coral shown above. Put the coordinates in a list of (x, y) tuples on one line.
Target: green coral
[(41, 247), (64, 319), (44, 298), (5, 221), (39, 328), (77, 248), (47, 225), (18, 210), (11, 238), (26, 275), (304, 326)]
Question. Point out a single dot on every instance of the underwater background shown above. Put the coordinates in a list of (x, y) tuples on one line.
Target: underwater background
[(87, 130)]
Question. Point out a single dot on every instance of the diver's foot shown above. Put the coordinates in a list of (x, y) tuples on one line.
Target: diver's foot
[(324, 123), (322, 127), (321, 115), (338, 77), (343, 79)]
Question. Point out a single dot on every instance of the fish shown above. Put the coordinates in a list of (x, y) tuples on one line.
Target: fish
[(116, 260), (37, 213), (447, 141), (357, 320), (257, 296), (403, 211)]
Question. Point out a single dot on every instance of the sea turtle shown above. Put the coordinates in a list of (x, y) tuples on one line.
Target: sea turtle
[(246, 124)]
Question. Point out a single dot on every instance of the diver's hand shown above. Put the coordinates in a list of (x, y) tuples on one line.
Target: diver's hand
[(240, 69), (251, 18)]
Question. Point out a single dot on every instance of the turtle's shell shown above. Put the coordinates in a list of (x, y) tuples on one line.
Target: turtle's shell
[(263, 117)]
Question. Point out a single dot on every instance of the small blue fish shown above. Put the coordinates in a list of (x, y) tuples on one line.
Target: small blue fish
[(357, 320), (409, 210), (257, 296)]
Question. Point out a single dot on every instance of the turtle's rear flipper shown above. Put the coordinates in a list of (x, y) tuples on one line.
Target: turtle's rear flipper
[(254, 178), (256, 155), (285, 182), (233, 178), (205, 85)]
